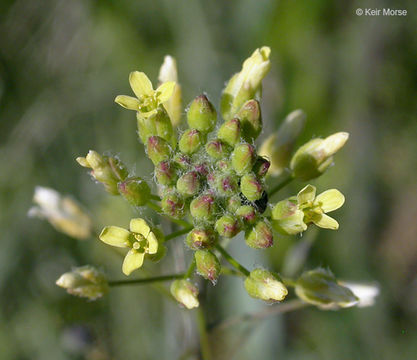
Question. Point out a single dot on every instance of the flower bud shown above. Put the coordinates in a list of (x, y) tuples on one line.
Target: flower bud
[(229, 132), (262, 284), (166, 173), (244, 85), (185, 293), (202, 115), (251, 187), (261, 166), (201, 238), (168, 72), (260, 236), (243, 158), (208, 266), (189, 184), (173, 205), (320, 287), (190, 141), (183, 161), (228, 226), (247, 213), (158, 149), (233, 203), (217, 149), (107, 170), (227, 184), (135, 190), (224, 165), (84, 281), (278, 147), (250, 120), (158, 124), (313, 158), (287, 219), (203, 208)]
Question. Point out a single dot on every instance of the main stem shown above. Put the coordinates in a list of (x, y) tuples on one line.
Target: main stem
[(282, 184), (232, 261), (146, 280), (175, 234), (202, 330)]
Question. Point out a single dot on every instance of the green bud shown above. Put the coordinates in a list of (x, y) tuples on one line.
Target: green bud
[(217, 149), (246, 84), (320, 287), (85, 281), (185, 293), (278, 147), (158, 124), (262, 284), (251, 187), (260, 236), (229, 132), (250, 120), (228, 226), (135, 190), (313, 158), (227, 184), (201, 238), (261, 166), (287, 219), (202, 115), (158, 149), (224, 165), (190, 141), (233, 203), (208, 266), (247, 213), (166, 173), (189, 184), (105, 169), (203, 208), (243, 158), (183, 161), (173, 205)]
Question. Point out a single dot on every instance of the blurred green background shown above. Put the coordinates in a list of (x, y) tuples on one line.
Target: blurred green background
[(61, 65)]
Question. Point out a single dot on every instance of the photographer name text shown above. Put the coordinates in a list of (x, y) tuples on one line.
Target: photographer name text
[(380, 12)]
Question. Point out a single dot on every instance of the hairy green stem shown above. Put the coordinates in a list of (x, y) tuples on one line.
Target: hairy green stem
[(202, 330), (190, 270), (158, 209), (175, 234), (232, 261), (281, 185), (146, 280)]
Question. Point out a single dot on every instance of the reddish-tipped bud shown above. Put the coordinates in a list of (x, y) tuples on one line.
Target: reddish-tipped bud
[(247, 214), (200, 238), (173, 205), (227, 184), (228, 226), (135, 190), (260, 236), (243, 158), (203, 208), (250, 120), (190, 141), (158, 149), (233, 203), (208, 266), (229, 132), (251, 187), (166, 173), (182, 160), (202, 115), (217, 149), (189, 184), (261, 166)]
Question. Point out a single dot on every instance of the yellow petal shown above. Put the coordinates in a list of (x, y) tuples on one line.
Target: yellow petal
[(132, 261), (139, 226), (128, 102), (115, 236), (140, 84), (306, 194), (325, 222), (82, 161), (152, 243), (164, 92), (330, 200)]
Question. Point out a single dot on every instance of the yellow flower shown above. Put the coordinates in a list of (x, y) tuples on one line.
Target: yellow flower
[(140, 239), (147, 99), (62, 212)]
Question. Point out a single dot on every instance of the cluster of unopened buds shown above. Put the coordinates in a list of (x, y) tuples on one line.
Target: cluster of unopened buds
[(211, 182)]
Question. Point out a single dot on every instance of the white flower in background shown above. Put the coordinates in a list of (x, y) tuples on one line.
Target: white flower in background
[(366, 293), (62, 212)]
